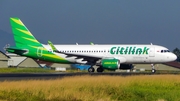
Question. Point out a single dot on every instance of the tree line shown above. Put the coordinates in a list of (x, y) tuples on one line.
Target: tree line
[(177, 52)]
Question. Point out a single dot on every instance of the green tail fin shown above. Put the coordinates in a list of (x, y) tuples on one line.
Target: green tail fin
[(22, 35)]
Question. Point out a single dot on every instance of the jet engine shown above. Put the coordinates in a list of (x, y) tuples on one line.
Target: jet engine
[(110, 64)]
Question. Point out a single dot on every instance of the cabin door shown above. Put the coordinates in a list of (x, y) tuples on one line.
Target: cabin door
[(151, 52)]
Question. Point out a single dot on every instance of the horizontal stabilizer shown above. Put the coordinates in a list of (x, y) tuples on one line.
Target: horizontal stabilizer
[(16, 50)]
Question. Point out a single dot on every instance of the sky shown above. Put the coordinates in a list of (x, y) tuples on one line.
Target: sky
[(98, 21)]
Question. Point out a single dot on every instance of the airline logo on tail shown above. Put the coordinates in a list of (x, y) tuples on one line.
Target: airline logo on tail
[(22, 35), (27, 44)]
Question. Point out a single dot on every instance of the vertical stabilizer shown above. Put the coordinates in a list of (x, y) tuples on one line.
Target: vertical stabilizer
[(22, 35)]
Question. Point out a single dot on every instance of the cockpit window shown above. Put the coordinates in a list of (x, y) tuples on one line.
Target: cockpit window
[(164, 51)]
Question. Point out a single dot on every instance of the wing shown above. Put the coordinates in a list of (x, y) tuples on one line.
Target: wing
[(90, 59)]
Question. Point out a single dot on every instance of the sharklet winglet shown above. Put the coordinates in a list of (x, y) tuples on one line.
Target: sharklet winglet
[(52, 46)]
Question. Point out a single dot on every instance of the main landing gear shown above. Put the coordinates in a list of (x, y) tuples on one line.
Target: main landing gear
[(91, 69), (153, 69), (99, 69)]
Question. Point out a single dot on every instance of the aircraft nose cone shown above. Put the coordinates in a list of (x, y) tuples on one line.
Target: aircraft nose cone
[(173, 57)]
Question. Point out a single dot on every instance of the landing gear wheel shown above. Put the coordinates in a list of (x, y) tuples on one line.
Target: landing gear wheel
[(91, 69), (153, 70), (100, 69)]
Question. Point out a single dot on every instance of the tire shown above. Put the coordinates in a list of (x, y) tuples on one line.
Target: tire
[(153, 70), (100, 69), (91, 69)]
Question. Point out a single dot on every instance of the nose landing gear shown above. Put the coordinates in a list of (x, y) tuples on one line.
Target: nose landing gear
[(153, 69)]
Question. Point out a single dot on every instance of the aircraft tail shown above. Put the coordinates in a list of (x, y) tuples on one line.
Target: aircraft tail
[(22, 35)]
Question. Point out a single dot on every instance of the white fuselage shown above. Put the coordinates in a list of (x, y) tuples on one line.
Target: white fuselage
[(125, 53)]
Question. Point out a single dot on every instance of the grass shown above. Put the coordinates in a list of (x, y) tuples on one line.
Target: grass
[(35, 70), (25, 70), (94, 88)]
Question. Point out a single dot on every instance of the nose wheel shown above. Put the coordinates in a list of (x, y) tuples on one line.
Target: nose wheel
[(153, 68)]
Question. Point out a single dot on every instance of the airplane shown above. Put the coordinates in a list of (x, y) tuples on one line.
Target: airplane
[(106, 56)]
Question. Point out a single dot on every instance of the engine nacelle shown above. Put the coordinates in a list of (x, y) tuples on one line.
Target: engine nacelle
[(110, 64)]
